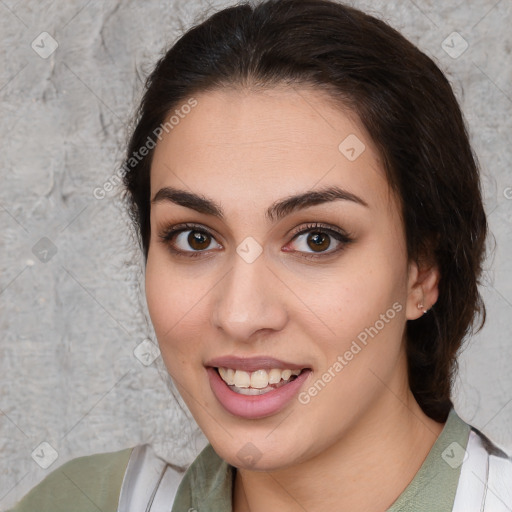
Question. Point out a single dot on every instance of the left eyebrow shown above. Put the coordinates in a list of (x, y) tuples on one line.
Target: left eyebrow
[(275, 212)]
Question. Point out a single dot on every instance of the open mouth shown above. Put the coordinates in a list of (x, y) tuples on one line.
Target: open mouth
[(258, 382), (256, 394)]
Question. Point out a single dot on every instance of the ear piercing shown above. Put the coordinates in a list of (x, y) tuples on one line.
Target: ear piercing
[(421, 306)]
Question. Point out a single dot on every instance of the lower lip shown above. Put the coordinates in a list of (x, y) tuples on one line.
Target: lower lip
[(254, 406)]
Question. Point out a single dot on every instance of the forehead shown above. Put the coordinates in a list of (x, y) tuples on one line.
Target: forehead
[(257, 144)]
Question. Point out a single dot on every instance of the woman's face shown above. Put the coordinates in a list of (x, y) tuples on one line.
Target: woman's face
[(320, 283)]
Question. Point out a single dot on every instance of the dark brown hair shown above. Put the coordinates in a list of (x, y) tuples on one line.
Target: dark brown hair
[(409, 110)]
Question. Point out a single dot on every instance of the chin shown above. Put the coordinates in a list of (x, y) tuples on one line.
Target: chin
[(259, 454)]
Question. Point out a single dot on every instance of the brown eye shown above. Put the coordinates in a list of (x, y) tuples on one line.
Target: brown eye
[(187, 240), (313, 240), (195, 241), (198, 240), (318, 241)]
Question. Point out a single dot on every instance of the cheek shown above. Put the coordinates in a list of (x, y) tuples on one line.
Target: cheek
[(158, 297), (355, 293), (177, 298), (361, 306), (364, 309)]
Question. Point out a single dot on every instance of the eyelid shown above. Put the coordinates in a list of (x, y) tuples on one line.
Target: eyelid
[(311, 226)]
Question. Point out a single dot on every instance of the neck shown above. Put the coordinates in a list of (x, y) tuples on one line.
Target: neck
[(367, 469)]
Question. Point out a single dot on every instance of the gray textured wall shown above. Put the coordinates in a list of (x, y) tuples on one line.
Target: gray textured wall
[(72, 305)]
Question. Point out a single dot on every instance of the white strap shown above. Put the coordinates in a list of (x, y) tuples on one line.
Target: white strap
[(485, 482), (149, 483), (499, 493), (166, 492), (470, 494)]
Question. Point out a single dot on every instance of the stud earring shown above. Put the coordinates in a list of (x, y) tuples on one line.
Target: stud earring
[(421, 306)]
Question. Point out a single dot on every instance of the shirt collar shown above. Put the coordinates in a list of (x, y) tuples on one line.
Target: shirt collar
[(207, 485)]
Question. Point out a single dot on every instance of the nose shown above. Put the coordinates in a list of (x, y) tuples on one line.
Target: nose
[(248, 300)]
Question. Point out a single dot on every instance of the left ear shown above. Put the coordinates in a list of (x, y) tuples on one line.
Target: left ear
[(423, 288)]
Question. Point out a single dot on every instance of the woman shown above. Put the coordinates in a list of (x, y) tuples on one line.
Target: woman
[(311, 218)]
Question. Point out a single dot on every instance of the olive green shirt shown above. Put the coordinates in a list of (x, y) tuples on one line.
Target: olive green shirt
[(93, 483)]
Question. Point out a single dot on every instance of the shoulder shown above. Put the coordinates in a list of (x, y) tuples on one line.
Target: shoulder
[(91, 482)]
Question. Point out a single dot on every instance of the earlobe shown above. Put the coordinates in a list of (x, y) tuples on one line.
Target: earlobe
[(423, 290)]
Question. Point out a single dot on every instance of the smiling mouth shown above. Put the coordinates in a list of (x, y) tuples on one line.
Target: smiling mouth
[(258, 382)]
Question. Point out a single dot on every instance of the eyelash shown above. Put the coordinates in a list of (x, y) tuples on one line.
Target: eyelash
[(167, 234)]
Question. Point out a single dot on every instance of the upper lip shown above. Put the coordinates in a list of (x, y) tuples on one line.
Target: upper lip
[(251, 364)]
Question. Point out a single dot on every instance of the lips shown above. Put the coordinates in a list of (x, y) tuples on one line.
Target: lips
[(251, 364), (260, 405)]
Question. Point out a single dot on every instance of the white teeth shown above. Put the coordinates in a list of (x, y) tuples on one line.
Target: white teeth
[(258, 379), (230, 376), (274, 376), (242, 379)]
